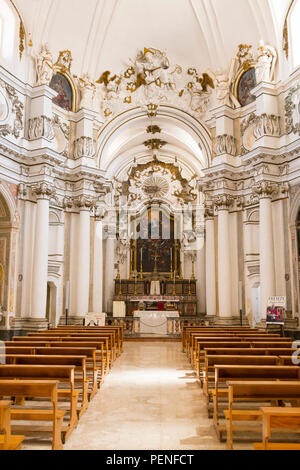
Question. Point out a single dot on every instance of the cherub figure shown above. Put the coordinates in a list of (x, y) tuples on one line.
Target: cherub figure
[(44, 66)]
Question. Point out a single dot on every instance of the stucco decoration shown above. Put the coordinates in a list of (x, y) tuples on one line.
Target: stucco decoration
[(292, 110), (15, 115), (151, 79)]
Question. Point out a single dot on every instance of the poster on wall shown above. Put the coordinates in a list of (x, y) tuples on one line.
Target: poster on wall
[(276, 310)]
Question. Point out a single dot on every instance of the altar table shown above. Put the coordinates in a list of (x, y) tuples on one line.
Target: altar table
[(154, 322)]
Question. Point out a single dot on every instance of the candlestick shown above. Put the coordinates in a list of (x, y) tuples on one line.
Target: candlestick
[(193, 270), (118, 274), (135, 276), (131, 262), (174, 282), (141, 272)]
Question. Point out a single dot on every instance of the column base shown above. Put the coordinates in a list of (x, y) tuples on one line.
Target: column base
[(73, 320), (210, 319), (29, 323), (230, 321)]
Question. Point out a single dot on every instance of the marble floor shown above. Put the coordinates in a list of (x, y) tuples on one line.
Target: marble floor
[(149, 401)]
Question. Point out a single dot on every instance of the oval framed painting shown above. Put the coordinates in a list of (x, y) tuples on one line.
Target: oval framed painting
[(246, 83), (62, 86)]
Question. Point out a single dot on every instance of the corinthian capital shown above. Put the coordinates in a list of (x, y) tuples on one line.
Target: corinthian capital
[(223, 202), (285, 189), (43, 190), (209, 211), (264, 189), (84, 203)]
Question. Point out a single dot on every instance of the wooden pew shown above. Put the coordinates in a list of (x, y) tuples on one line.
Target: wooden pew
[(248, 351), (119, 330), (62, 374), (216, 344), (100, 344), (226, 373), (48, 343), (196, 333), (38, 389), (7, 440), (79, 362), (243, 352), (286, 360), (109, 339), (278, 418), (187, 330), (208, 370), (93, 369), (253, 340), (255, 392), (237, 345)]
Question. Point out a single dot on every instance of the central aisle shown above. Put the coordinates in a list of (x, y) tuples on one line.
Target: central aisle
[(149, 401)]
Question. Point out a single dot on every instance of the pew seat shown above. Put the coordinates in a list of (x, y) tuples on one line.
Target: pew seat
[(46, 389), (7, 440), (256, 392)]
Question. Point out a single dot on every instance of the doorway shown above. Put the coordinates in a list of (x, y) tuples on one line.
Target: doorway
[(51, 303)]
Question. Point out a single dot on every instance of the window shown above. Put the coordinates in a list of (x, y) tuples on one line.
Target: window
[(7, 30), (295, 33)]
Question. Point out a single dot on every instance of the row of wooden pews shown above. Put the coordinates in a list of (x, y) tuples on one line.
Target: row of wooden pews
[(249, 382), (50, 377)]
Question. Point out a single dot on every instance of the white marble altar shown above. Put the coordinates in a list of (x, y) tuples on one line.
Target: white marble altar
[(154, 322)]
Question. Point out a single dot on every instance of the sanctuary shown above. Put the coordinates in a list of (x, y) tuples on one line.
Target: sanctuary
[(158, 174)]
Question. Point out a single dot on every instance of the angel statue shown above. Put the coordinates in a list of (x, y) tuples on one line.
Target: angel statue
[(44, 66), (87, 90), (200, 93), (266, 58), (223, 82)]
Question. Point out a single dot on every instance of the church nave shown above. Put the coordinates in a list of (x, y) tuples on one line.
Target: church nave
[(150, 401)]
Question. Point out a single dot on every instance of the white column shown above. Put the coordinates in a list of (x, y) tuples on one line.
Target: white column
[(98, 268), (234, 262), (266, 244), (40, 252), (83, 267), (211, 294), (109, 273), (224, 272), (27, 251), (200, 276)]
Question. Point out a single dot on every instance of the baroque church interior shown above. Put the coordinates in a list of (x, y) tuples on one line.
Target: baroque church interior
[(149, 209)]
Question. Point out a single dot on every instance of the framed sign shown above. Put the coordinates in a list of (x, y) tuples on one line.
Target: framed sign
[(276, 310), (95, 319)]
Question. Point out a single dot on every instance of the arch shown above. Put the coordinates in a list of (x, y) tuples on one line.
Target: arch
[(293, 21), (254, 216), (54, 218), (7, 29), (122, 140), (295, 207)]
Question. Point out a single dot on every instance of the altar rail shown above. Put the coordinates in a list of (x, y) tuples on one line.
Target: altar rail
[(131, 325)]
